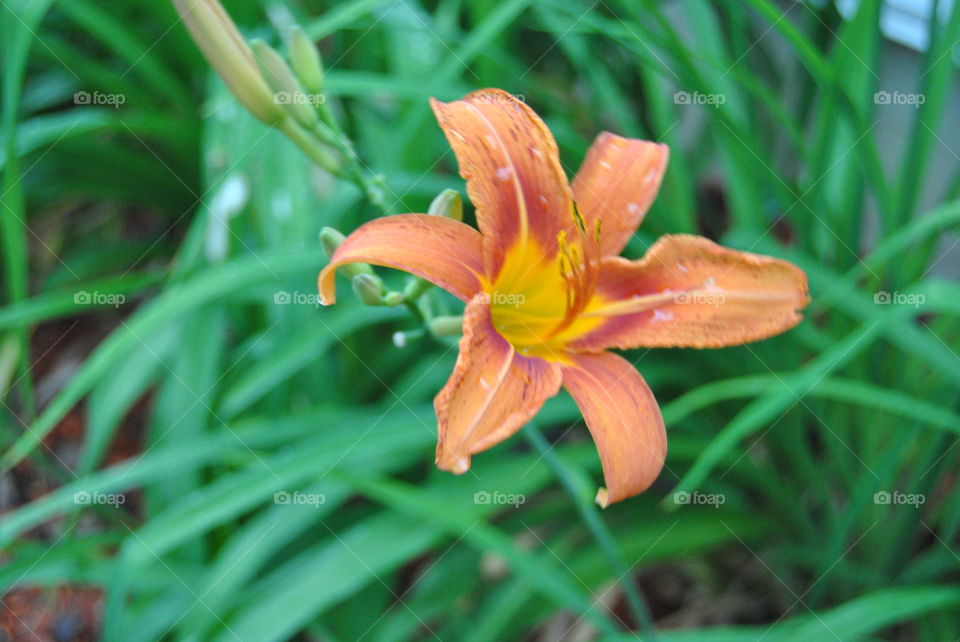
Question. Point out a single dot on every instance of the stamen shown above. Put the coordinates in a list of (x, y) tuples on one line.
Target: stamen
[(578, 219), (577, 263)]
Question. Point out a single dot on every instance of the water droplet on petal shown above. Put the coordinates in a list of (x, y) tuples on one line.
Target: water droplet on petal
[(633, 208), (503, 173), (605, 165), (682, 267), (661, 315), (461, 466)]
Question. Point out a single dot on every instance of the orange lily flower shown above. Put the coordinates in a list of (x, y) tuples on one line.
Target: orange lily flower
[(546, 294)]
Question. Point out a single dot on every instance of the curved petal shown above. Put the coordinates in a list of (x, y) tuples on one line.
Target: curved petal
[(443, 251), (510, 162), (492, 392), (616, 185), (624, 420), (690, 292)]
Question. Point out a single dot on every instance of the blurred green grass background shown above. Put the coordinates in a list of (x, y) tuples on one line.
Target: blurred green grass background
[(160, 345)]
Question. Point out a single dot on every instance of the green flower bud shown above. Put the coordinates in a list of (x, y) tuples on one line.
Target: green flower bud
[(416, 287), (321, 154), (393, 298), (287, 90), (306, 60), (402, 339), (368, 288), (331, 239), (447, 203), (446, 326), (224, 48)]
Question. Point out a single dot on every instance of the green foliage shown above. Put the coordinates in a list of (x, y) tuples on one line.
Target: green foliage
[(236, 386)]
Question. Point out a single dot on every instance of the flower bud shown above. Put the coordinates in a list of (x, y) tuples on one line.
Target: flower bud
[(446, 326), (402, 339), (306, 60), (226, 51), (288, 91), (447, 203), (331, 239), (416, 287), (368, 288), (393, 298), (321, 154)]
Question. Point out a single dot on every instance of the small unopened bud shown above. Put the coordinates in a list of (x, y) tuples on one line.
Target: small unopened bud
[(287, 90), (321, 154), (446, 326), (331, 239), (448, 204), (368, 288), (306, 60), (416, 287), (225, 49), (402, 339), (393, 298)]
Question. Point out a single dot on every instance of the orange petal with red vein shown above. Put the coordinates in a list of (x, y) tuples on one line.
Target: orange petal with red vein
[(624, 420), (510, 162), (492, 392), (687, 291), (443, 251), (616, 184)]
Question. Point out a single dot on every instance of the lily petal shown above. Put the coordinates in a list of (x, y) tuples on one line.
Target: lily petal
[(492, 392), (624, 420), (510, 162), (616, 185), (687, 291), (443, 251)]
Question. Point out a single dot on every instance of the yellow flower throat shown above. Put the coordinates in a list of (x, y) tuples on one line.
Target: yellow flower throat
[(538, 297)]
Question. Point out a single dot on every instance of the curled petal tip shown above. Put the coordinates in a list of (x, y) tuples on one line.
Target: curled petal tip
[(602, 498), (457, 464), (461, 465)]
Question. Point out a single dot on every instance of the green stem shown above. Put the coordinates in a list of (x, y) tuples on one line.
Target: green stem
[(362, 178), (601, 534)]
